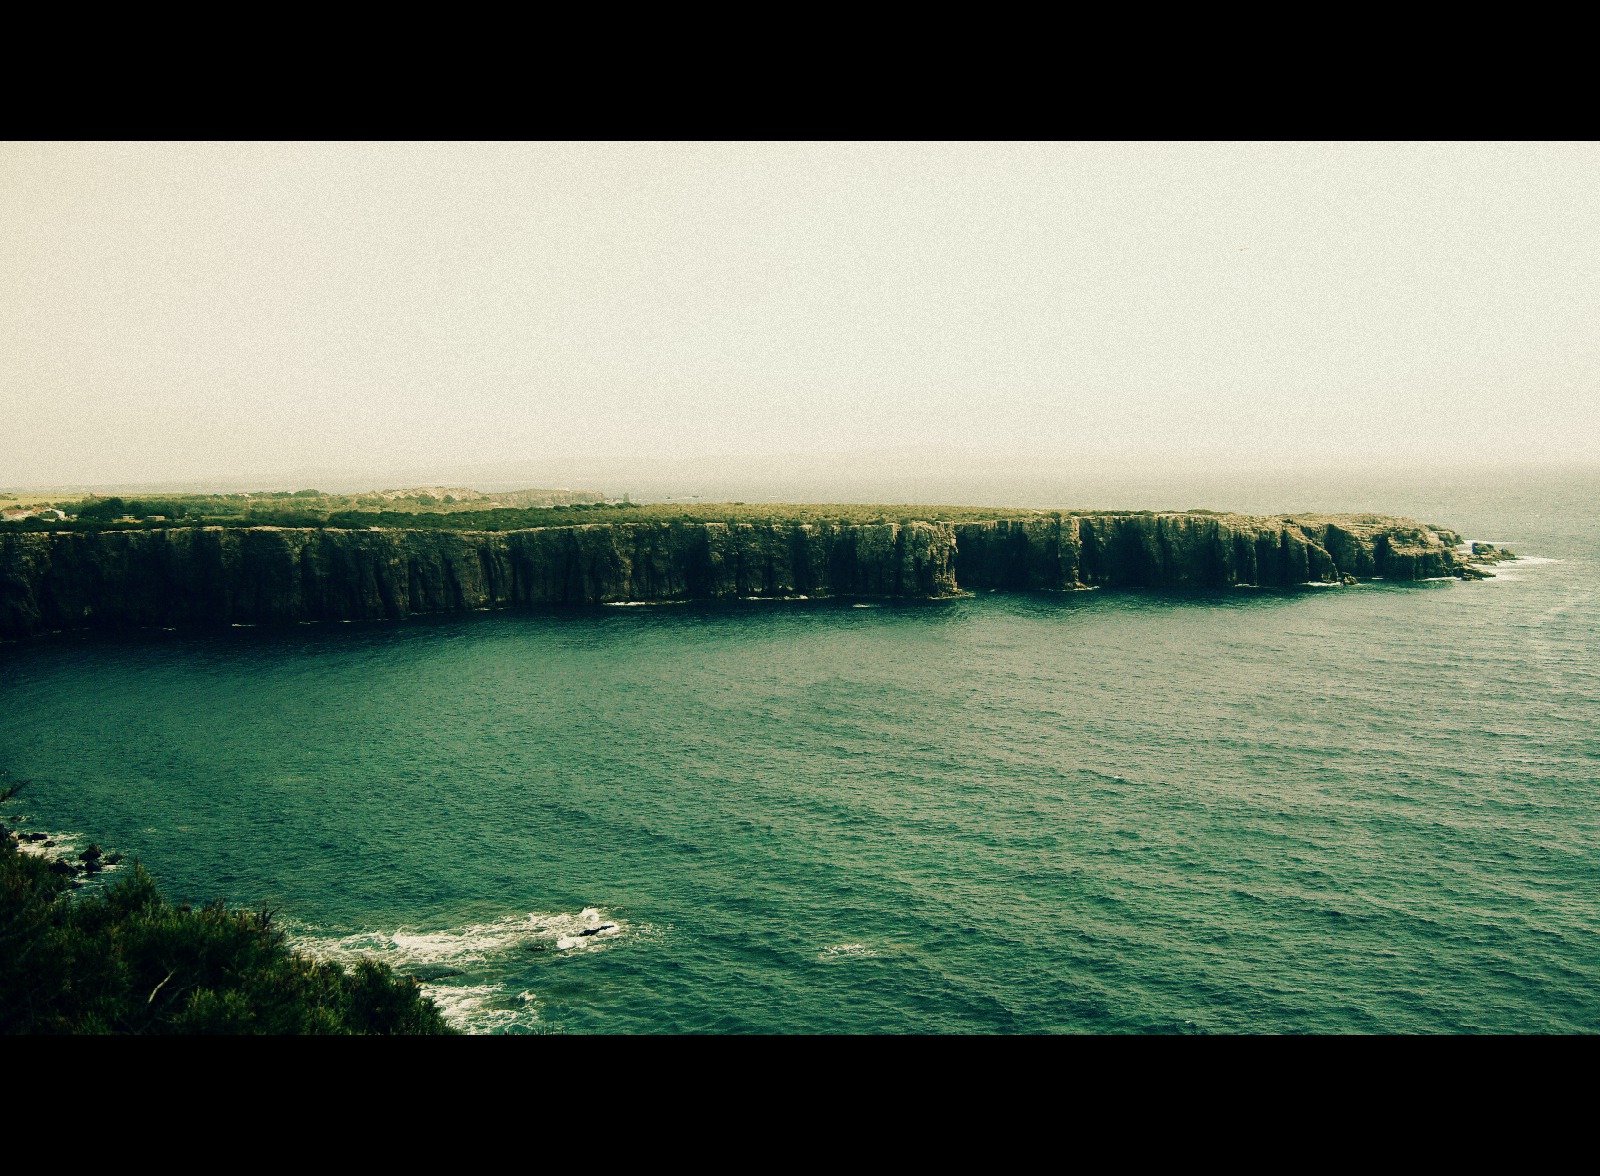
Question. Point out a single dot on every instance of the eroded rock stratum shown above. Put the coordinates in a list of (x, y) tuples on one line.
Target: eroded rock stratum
[(256, 575)]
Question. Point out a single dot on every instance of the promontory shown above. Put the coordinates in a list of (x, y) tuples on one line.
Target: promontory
[(172, 572)]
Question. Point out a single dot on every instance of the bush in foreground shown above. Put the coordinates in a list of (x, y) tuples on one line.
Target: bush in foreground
[(125, 960)]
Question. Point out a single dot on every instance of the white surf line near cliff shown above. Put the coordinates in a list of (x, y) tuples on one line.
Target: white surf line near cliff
[(66, 847), (456, 965), (54, 845)]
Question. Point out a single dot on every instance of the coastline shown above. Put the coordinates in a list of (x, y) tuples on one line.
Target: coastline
[(184, 576)]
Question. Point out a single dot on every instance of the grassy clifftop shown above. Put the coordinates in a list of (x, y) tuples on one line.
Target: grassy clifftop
[(520, 511), (509, 512)]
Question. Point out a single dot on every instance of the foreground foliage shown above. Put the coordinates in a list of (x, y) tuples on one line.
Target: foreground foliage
[(124, 960)]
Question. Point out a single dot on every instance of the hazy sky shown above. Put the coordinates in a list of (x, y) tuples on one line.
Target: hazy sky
[(195, 311)]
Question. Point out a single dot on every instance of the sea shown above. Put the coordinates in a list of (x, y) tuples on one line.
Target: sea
[(1370, 809)]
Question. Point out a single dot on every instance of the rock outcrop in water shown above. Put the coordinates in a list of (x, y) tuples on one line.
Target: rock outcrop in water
[(211, 575)]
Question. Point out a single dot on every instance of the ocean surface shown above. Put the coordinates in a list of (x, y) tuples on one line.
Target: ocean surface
[(1367, 809)]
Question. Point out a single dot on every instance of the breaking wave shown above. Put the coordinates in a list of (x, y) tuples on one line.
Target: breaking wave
[(844, 950), (465, 970)]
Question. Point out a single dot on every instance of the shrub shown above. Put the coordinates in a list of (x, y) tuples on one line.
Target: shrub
[(125, 960)]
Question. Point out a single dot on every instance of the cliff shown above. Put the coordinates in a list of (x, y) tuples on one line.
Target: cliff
[(213, 576), (1197, 549)]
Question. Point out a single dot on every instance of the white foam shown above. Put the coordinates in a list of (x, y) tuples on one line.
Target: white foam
[(1466, 549), (482, 1008), (65, 847), (856, 950), (592, 928), (62, 845), (473, 944), (468, 1002)]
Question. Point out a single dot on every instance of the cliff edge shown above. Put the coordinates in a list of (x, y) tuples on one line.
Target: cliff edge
[(53, 580)]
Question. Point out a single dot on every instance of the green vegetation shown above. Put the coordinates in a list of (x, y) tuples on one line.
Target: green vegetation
[(668, 512), (297, 508), (106, 509), (124, 960), (461, 509), (447, 511)]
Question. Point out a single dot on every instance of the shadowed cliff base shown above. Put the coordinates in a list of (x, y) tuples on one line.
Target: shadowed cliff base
[(205, 575)]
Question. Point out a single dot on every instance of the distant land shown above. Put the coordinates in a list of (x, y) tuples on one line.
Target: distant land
[(219, 504), (263, 558)]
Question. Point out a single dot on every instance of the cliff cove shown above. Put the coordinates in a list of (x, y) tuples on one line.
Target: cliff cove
[(211, 575)]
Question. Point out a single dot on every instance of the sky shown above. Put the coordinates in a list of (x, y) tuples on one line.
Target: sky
[(740, 314)]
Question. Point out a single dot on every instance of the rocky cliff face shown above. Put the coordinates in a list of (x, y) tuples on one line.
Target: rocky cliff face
[(186, 576), (266, 574), (1197, 550)]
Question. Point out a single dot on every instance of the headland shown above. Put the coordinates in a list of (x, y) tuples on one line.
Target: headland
[(263, 568)]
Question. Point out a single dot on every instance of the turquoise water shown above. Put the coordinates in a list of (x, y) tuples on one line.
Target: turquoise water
[(1359, 809)]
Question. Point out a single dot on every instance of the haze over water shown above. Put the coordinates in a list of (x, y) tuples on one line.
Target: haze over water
[(1367, 809)]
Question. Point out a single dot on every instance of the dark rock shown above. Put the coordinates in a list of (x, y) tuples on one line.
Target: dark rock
[(91, 854), (1488, 553), (211, 576), (433, 972)]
